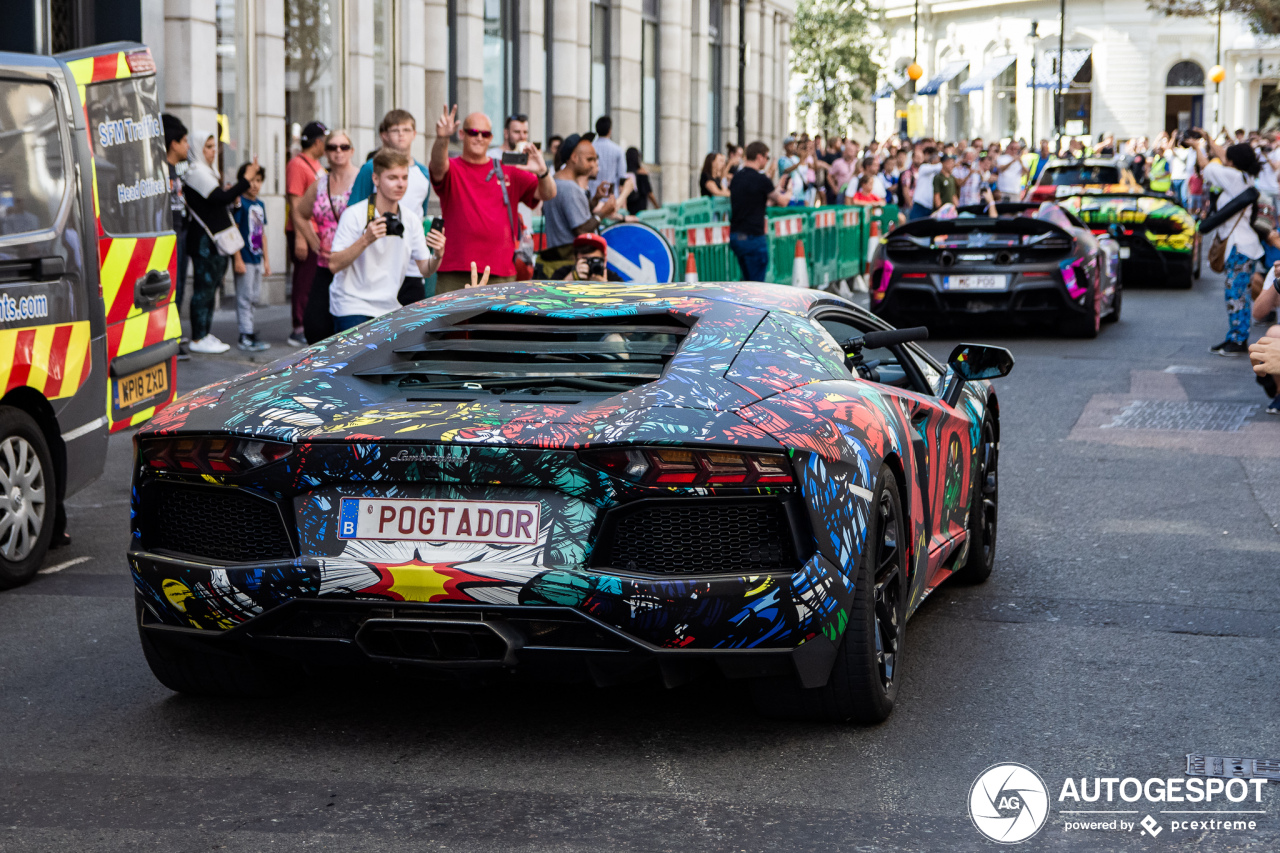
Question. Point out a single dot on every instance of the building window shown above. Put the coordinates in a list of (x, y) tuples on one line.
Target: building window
[(383, 61), (1077, 102), (1006, 92), (1185, 74), (715, 74), (499, 59), (233, 85), (599, 60), (34, 169), (649, 82), (313, 65)]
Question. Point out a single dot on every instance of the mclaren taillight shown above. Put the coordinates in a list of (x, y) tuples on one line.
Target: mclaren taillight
[(211, 455), (677, 466)]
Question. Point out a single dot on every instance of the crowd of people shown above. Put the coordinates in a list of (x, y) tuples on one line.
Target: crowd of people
[(361, 245)]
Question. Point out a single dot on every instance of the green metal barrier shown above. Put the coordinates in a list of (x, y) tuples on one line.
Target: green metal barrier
[(709, 245), (695, 211), (786, 226), (721, 209), (850, 228)]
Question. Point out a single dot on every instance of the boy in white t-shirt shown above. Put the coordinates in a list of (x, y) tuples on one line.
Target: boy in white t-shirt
[(369, 265)]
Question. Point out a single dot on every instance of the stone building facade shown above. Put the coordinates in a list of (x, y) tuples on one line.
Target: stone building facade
[(259, 70), (1129, 70)]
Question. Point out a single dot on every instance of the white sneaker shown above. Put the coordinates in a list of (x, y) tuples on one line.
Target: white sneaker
[(208, 345)]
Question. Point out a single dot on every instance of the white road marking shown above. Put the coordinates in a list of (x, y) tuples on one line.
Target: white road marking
[(68, 564)]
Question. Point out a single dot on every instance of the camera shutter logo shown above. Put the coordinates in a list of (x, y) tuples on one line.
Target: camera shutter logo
[(1008, 803)]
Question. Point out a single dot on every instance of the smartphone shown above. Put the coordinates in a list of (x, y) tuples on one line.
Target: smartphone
[(437, 223), (515, 158)]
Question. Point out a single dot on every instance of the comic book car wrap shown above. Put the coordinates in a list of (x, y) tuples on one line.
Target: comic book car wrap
[(1158, 238), (695, 478), (125, 260)]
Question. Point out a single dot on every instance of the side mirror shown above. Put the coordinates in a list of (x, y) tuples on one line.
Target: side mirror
[(971, 362)]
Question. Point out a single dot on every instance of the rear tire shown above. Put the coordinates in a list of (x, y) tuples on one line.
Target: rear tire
[(28, 497), (984, 510), (182, 666), (868, 668)]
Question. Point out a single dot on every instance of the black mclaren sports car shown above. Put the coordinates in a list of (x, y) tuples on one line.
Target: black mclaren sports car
[(1029, 264), (589, 481)]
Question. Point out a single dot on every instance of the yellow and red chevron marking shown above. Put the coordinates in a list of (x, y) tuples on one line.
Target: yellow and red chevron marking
[(53, 359), (124, 260), (849, 217), (139, 331)]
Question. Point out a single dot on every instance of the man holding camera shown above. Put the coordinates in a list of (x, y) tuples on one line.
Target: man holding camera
[(375, 241), (591, 254)]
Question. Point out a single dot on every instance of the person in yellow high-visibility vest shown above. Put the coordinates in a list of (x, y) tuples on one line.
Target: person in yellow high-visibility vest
[(1160, 179)]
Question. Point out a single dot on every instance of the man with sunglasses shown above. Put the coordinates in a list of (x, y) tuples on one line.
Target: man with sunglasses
[(397, 131), (478, 198)]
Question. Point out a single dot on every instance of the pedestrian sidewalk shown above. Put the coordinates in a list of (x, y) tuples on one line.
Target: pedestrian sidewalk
[(273, 325)]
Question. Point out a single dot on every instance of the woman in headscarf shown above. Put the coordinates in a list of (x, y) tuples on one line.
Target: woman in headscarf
[(208, 204)]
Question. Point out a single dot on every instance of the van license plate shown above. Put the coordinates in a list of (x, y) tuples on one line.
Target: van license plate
[(497, 522), (142, 386)]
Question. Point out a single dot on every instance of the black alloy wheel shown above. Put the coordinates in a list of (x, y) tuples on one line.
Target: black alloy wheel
[(867, 673), (984, 510), (890, 589)]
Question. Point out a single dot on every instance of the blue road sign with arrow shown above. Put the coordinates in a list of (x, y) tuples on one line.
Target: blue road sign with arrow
[(638, 253)]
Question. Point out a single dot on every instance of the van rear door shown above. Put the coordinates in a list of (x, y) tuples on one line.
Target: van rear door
[(136, 244)]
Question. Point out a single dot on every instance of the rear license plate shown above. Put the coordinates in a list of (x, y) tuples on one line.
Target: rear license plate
[(496, 522), (142, 386), (975, 282)]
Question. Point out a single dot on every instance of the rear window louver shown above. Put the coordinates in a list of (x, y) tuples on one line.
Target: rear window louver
[(504, 353)]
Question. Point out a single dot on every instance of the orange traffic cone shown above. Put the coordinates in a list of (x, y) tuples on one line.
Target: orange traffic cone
[(690, 269), (800, 268), (875, 228)]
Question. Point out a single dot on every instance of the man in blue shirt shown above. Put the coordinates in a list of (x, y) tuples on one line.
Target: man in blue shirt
[(613, 162)]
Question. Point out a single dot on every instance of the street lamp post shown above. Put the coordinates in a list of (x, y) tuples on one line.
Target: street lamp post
[(1059, 117), (1035, 25)]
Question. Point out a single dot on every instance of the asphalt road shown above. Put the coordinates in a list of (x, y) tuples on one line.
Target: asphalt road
[(1133, 617)]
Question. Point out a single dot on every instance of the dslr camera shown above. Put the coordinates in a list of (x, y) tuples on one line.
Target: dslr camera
[(395, 228), (595, 266)]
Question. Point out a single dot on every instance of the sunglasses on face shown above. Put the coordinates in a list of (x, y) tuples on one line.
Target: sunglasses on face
[(483, 134), (338, 147)]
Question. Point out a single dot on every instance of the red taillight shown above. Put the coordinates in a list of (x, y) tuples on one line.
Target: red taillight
[(140, 61), (915, 275), (211, 455), (1037, 275), (671, 466)]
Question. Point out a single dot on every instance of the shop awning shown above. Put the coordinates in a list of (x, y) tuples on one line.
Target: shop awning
[(893, 84), (989, 72), (945, 76), (1047, 67)]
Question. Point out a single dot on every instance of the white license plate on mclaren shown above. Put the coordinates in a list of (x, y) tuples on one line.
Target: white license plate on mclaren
[(975, 282), (496, 522)]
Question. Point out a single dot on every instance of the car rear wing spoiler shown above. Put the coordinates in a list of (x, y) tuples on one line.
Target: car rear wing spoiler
[(922, 231)]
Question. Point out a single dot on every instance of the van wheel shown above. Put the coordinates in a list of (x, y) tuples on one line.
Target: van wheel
[(27, 497)]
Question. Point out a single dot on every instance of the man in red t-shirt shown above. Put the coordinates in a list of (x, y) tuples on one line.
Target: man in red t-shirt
[(299, 174), (476, 220)]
